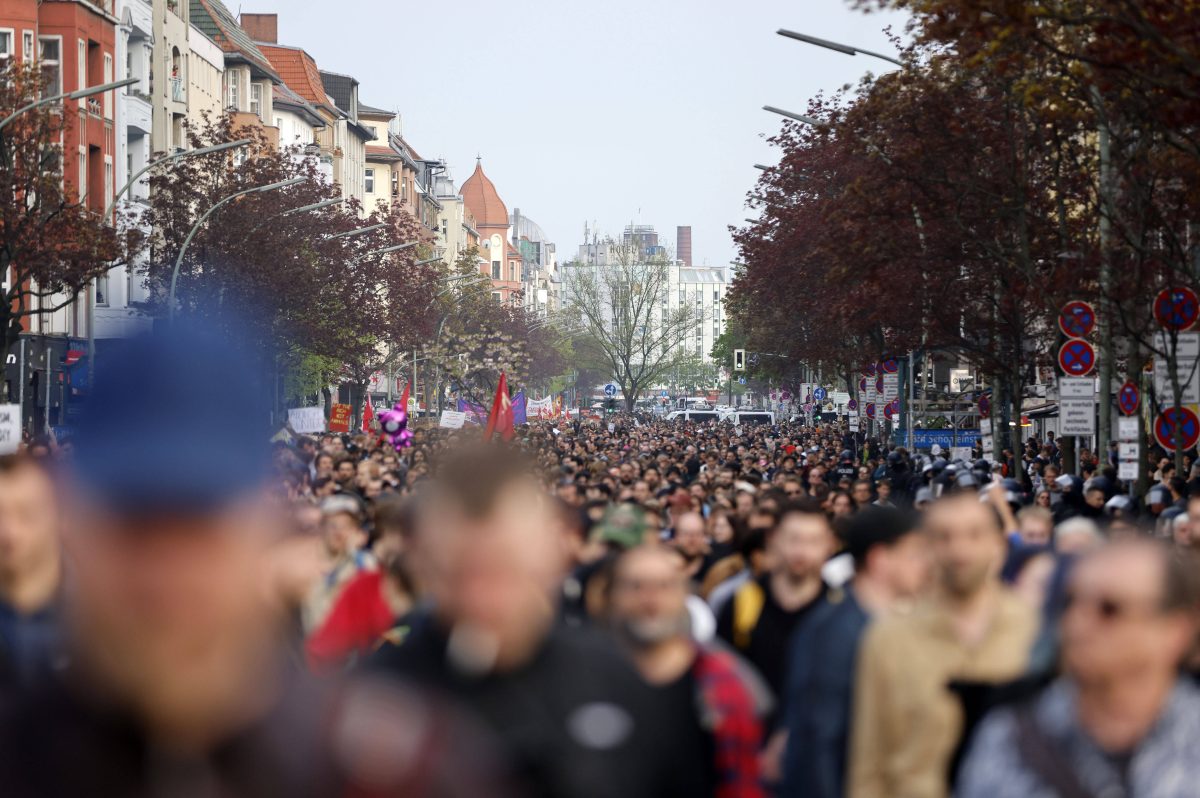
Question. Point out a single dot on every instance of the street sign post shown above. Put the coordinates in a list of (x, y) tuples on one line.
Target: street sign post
[(985, 407), (1129, 399), (610, 390), (819, 394), (1176, 308), (1077, 358), (1168, 420), (890, 366), (1076, 406), (870, 410), (1077, 319)]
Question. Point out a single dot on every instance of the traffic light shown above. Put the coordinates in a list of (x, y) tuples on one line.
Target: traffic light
[(739, 360), (611, 405)]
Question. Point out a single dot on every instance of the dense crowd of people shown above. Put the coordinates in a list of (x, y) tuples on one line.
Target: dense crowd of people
[(620, 608)]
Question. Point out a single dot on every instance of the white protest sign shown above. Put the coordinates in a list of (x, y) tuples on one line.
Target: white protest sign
[(10, 428), (306, 420), (452, 419)]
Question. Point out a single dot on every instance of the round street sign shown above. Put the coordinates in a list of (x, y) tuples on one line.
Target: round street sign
[(1176, 308), (610, 390), (985, 406), (1164, 427), (1077, 319), (819, 394), (1129, 398), (870, 409), (879, 384), (868, 370), (862, 385), (852, 404), (891, 409), (890, 366), (1077, 358)]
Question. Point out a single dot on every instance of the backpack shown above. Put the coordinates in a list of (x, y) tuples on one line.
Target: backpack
[(748, 604)]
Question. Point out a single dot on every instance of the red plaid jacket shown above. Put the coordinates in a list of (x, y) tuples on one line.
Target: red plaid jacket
[(727, 711)]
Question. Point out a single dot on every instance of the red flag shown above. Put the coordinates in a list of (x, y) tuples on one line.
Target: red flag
[(404, 397), (501, 418), (368, 415)]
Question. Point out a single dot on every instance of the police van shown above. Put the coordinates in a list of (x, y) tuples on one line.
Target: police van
[(742, 417)]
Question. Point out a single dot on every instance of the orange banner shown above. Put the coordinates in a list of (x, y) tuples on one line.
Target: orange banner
[(339, 418)]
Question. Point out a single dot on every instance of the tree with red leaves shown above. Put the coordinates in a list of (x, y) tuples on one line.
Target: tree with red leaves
[(51, 245)]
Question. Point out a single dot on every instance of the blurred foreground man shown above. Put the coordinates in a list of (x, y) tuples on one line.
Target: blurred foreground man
[(1121, 721), (701, 687), (907, 722), (575, 718), (30, 573), (179, 683)]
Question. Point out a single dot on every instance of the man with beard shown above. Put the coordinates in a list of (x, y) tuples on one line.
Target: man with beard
[(763, 613), (692, 543), (573, 716), (719, 731), (906, 721), (373, 603)]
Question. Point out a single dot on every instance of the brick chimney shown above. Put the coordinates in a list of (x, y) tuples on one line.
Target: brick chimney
[(262, 27)]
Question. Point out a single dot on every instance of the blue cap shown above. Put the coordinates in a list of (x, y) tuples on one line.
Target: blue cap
[(178, 423)]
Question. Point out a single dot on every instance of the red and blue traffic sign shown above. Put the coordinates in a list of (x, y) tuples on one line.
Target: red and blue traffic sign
[(1165, 424), (879, 384), (1077, 319), (1129, 399), (868, 370), (862, 385), (1077, 358), (870, 410), (889, 366), (891, 409), (985, 406), (1176, 308), (852, 404)]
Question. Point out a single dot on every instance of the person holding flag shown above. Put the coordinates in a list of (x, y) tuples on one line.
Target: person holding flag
[(500, 419)]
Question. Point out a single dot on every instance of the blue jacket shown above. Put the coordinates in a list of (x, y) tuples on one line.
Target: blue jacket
[(817, 699)]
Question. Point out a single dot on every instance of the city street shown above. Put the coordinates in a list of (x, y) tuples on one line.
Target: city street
[(743, 403)]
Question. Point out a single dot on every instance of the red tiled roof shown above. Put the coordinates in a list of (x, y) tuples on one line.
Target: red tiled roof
[(480, 196), (299, 71), (382, 152)]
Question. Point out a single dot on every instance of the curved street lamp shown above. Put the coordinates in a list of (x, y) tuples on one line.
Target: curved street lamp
[(200, 223)]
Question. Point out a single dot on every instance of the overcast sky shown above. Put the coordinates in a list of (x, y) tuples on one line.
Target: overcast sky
[(610, 112)]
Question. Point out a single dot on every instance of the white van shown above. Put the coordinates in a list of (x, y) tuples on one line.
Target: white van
[(741, 417), (699, 416)]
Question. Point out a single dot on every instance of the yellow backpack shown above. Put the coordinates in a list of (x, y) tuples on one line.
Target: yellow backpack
[(748, 604)]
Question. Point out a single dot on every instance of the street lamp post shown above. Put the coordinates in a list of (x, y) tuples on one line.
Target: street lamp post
[(112, 205), (836, 46), (200, 223), (71, 95)]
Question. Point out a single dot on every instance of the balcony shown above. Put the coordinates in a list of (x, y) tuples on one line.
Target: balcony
[(138, 115), (178, 90)]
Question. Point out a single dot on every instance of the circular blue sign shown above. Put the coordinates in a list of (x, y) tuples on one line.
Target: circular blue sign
[(610, 390), (819, 394)]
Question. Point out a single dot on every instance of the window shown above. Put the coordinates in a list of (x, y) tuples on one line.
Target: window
[(279, 123), (256, 99), (233, 89), (496, 296), (102, 291), (6, 45), (369, 178), (108, 78), (27, 47), (371, 128), (81, 68), (108, 181), (495, 270), (81, 187), (50, 56)]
